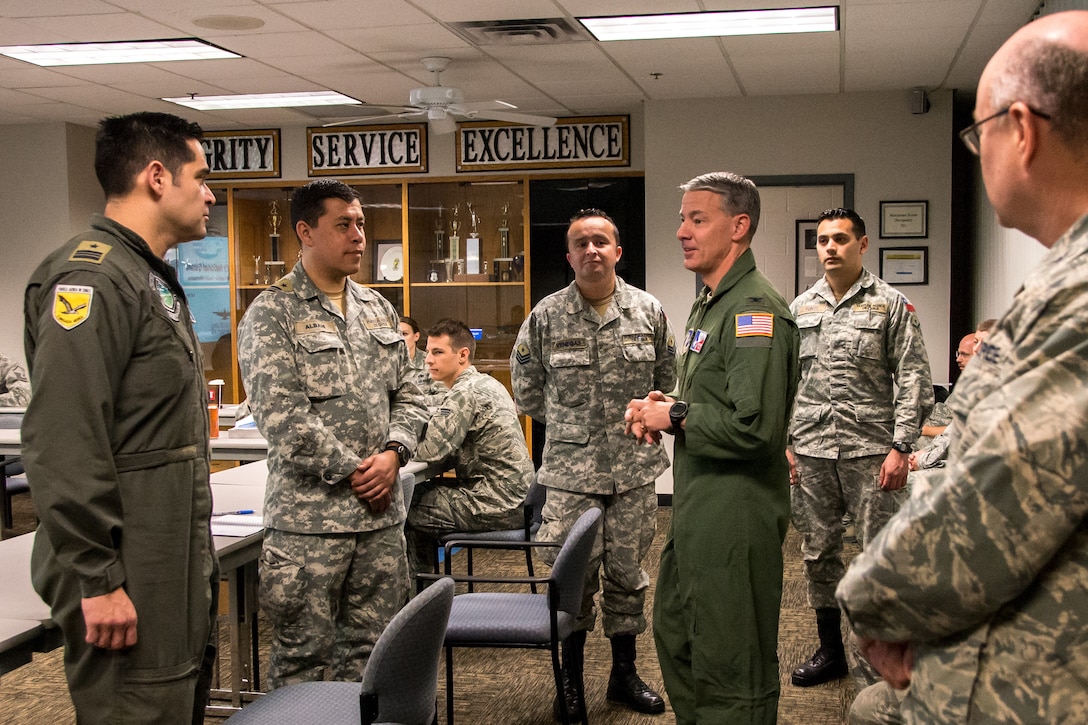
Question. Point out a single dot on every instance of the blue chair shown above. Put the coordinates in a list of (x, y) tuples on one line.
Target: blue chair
[(399, 684), (524, 620), (531, 510)]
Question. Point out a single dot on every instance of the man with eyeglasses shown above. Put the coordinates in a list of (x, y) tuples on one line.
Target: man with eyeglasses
[(974, 594)]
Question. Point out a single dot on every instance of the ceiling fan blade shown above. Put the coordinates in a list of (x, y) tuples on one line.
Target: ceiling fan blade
[(405, 113), (516, 118), (442, 125)]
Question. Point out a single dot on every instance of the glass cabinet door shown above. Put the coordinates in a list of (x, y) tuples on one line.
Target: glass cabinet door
[(467, 261)]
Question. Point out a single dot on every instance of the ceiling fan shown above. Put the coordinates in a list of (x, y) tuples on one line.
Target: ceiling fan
[(438, 104)]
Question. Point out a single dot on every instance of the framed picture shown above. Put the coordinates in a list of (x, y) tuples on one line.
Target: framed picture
[(904, 265), (809, 270), (388, 261), (904, 219)]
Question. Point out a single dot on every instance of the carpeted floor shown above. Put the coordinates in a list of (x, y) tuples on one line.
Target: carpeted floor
[(502, 687)]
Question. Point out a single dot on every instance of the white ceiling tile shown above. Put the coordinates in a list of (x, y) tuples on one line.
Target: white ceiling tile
[(337, 14), (101, 27), (419, 40)]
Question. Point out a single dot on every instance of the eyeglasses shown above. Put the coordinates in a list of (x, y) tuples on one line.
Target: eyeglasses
[(961, 353), (970, 135)]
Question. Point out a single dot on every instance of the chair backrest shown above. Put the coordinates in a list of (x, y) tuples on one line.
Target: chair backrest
[(402, 672), (534, 504), (569, 569)]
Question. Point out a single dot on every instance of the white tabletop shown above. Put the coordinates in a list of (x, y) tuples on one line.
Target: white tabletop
[(223, 448)]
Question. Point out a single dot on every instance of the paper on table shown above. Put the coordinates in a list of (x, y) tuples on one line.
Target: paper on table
[(236, 525)]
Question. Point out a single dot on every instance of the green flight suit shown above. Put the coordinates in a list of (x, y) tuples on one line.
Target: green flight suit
[(115, 445), (719, 587)]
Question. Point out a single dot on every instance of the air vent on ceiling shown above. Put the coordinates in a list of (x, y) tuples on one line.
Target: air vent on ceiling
[(544, 31)]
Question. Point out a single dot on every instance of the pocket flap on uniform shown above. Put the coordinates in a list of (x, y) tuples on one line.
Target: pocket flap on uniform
[(568, 433), (386, 335), (318, 340), (872, 413), (810, 413)]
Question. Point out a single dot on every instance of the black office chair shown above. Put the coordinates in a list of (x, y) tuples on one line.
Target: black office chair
[(531, 510), (523, 620), (399, 684)]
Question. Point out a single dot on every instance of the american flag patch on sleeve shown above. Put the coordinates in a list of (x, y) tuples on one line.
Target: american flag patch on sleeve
[(755, 324)]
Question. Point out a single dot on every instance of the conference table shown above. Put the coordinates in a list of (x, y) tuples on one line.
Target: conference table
[(224, 448)]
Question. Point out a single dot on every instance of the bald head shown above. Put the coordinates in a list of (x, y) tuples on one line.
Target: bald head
[(1033, 139)]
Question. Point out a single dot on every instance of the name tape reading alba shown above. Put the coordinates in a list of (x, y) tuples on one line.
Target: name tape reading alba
[(571, 143), (242, 154), (377, 149)]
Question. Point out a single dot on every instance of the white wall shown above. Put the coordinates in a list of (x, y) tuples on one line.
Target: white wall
[(893, 155), (45, 201), (1003, 258)]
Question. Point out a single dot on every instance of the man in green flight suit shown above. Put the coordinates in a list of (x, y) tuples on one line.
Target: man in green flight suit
[(719, 588), (115, 438)]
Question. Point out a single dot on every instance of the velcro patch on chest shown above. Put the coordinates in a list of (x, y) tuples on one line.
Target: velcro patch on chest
[(755, 324), (303, 327)]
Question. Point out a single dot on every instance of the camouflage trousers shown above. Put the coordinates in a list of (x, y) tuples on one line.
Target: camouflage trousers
[(328, 597), (877, 704), (827, 489), (439, 508), (628, 523)]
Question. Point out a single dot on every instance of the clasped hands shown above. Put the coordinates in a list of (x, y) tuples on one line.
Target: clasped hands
[(372, 480), (648, 417)]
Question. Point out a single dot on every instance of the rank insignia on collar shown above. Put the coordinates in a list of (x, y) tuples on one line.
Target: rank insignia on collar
[(169, 300), (72, 305)]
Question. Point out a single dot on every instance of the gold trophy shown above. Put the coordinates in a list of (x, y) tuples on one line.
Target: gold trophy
[(273, 268), (455, 243)]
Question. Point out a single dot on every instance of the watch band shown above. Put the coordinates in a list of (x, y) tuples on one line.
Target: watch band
[(403, 454)]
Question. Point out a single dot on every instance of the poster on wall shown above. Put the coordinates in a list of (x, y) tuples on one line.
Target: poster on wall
[(203, 268)]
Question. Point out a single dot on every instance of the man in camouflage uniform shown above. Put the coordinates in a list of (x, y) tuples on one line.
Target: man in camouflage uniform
[(14, 384), (115, 438), (476, 426), (974, 593), (582, 353), (865, 391), (329, 385), (719, 589)]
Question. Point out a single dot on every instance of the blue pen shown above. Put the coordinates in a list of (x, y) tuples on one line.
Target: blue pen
[(232, 513)]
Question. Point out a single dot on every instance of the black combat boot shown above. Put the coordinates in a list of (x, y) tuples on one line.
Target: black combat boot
[(829, 661), (624, 684), (571, 675)]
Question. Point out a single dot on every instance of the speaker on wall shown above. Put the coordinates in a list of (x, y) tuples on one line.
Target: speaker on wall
[(919, 101)]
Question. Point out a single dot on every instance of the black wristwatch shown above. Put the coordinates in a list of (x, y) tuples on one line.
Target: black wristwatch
[(403, 454), (677, 413), (903, 448)]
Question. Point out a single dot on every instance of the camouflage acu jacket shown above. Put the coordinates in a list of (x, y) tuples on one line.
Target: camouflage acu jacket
[(576, 371), (985, 568), (865, 379), (326, 391)]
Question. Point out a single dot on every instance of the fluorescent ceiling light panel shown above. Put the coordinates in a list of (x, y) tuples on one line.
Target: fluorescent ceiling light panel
[(133, 51), (264, 100), (712, 24)]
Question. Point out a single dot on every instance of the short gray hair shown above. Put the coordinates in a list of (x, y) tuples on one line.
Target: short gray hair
[(1051, 78), (738, 194)]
